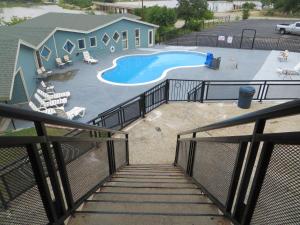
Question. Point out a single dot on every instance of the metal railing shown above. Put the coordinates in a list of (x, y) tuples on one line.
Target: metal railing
[(46, 177), (196, 91), (243, 42), (252, 178)]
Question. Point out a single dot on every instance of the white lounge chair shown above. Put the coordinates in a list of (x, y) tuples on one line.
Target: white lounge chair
[(49, 72), (88, 58), (283, 56), (49, 97), (75, 112), (289, 72), (57, 103), (59, 63), (50, 111), (67, 60), (48, 88)]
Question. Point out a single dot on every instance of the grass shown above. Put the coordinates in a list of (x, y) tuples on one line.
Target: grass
[(10, 4), (31, 132)]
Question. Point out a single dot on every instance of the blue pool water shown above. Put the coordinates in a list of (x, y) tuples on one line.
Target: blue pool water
[(137, 69)]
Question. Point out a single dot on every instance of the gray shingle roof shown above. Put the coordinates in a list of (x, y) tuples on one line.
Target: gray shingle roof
[(35, 31)]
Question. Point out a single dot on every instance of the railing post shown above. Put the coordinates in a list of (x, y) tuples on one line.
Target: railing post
[(236, 175), (63, 174), (202, 91), (177, 150), (260, 173), (127, 149), (109, 155), (41, 182), (143, 105), (167, 88), (246, 176), (191, 156), (49, 161), (263, 91)]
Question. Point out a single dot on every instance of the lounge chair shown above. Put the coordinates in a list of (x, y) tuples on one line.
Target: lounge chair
[(67, 60), (59, 63), (75, 112), (289, 72), (283, 56), (47, 87), (57, 103), (88, 58), (49, 72), (49, 97), (50, 111)]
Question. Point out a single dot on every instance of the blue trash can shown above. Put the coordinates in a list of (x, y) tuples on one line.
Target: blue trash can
[(246, 94)]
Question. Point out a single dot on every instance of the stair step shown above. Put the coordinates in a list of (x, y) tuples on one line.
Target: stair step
[(132, 219), (153, 198), (150, 190), (150, 180), (154, 208), (150, 185), (139, 176)]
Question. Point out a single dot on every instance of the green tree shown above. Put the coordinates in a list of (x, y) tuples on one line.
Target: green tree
[(192, 9), (287, 6)]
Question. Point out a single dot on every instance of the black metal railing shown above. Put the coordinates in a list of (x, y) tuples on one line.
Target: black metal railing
[(243, 42), (254, 179), (46, 177), (192, 90)]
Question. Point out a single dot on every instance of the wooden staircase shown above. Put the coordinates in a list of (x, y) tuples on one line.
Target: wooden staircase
[(149, 195)]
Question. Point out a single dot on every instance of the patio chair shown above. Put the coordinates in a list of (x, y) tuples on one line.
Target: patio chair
[(49, 97), (283, 56), (75, 112), (88, 58), (49, 72), (57, 103), (47, 87), (67, 60), (59, 63), (286, 72), (50, 111)]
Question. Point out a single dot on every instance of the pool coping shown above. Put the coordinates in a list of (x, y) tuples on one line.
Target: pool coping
[(162, 76)]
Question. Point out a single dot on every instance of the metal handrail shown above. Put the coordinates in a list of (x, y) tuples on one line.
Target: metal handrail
[(24, 114), (282, 110)]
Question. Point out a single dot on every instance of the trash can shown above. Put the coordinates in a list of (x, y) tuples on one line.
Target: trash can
[(215, 64), (246, 94)]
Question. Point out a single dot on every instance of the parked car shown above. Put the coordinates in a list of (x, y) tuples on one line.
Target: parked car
[(289, 28)]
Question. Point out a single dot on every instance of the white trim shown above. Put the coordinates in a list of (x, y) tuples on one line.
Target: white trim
[(96, 42), (118, 37), (139, 37), (83, 42), (150, 45), (108, 39), (74, 46), (55, 45), (125, 39), (50, 52), (162, 76)]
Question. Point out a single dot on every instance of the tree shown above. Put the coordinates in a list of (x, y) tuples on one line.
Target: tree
[(287, 6), (192, 9)]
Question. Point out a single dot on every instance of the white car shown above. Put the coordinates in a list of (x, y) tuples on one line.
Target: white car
[(289, 28)]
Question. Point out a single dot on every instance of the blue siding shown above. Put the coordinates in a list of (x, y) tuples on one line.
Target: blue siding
[(61, 37), (19, 93), (27, 62)]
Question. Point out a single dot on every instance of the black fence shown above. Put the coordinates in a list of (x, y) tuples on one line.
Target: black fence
[(243, 42), (45, 178), (195, 91), (254, 179)]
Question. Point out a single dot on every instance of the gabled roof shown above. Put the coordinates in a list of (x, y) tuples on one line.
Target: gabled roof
[(34, 32)]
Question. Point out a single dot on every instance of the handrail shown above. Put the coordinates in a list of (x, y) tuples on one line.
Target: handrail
[(282, 110), (24, 114)]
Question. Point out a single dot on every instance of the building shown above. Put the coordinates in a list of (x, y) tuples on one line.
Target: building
[(38, 42)]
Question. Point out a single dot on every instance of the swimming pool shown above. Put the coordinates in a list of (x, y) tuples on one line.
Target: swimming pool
[(148, 68)]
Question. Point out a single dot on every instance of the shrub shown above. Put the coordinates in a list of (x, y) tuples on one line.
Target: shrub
[(194, 25), (246, 14), (248, 5)]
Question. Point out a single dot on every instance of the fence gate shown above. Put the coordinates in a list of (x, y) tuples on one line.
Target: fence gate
[(248, 38)]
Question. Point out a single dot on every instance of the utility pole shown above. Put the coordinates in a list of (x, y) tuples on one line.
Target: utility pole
[(142, 9)]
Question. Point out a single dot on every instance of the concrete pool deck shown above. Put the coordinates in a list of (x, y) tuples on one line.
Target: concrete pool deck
[(87, 91)]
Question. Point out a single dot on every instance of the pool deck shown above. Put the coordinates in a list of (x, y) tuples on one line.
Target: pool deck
[(96, 96)]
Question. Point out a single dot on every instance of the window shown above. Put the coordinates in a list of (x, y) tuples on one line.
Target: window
[(105, 39), (69, 46), (150, 38), (137, 37), (93, 42), (116, 36), (297, 24), (124, 40), (81, 44), (45, 52)]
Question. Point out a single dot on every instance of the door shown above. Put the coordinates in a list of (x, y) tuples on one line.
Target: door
[(150, 38)]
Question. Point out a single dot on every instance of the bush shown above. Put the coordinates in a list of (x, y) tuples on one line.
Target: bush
[(208, 15), (80, 3), (246, 14), (248, 5), (194, 25)]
